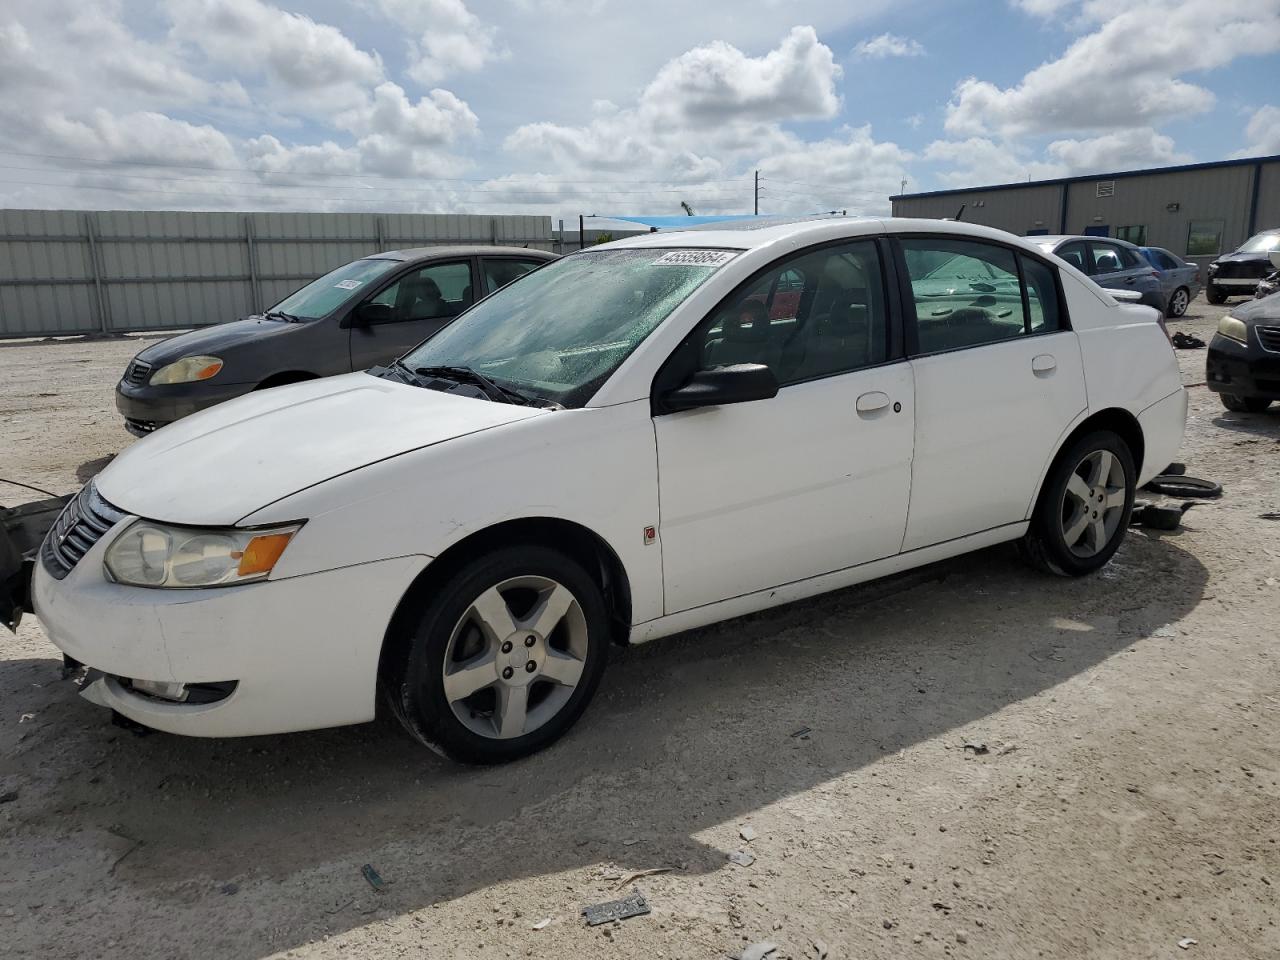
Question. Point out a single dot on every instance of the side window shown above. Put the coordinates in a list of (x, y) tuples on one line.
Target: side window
[(1106, 258), (439, 290), (1042, 296), (1074, 254), (966, 293), (498, 273), (814, 315)]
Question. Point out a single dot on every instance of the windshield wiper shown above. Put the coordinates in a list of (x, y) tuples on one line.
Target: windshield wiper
[(492, 390), (281, 315)]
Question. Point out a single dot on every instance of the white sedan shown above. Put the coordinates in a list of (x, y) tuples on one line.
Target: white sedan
[(645, 437)]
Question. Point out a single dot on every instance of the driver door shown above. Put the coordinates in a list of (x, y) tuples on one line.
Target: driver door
[(816, 479), (422, 301)]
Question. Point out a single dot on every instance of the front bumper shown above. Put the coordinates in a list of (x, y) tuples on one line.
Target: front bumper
[(146, 408), (1243, 369), (1236, 285), (302, 652)]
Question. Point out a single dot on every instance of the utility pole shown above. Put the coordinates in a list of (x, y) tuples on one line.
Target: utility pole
[(757, 193), (582, 237), (903, 188)]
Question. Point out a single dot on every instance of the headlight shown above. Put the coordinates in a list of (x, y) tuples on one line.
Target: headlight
[(187, 370), (155, 555), (1213, 268), (1233, 328)]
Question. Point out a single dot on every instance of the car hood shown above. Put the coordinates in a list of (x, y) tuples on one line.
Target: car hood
[(1239, 257), (220, 465), (213, 341), (1255, 311)]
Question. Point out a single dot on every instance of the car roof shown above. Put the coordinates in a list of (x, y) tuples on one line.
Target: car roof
[(410, 254), (1057, 238), (752, 233)]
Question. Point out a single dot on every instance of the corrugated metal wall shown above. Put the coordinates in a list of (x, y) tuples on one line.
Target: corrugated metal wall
[(67, 272), (1165, 203)]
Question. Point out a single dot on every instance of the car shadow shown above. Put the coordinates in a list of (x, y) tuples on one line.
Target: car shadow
[(91, 468), (685, 734), (1264, 424)]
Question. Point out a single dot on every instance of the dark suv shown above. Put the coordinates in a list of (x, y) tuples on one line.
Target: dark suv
[(1237, 274), (365, 313), (1243, 362)]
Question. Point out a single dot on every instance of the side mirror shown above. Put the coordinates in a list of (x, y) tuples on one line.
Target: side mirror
[(368, 314), (737, 383), (1274, 257)]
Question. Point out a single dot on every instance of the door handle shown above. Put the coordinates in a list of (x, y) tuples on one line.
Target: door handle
[(1043, 365), (873, 401), (1130, 279)]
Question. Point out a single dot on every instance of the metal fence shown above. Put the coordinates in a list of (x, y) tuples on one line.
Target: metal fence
[(72, 271)]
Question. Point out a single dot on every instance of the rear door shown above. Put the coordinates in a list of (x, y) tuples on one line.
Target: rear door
[(1119, 268), (422, 300), (998, 377)]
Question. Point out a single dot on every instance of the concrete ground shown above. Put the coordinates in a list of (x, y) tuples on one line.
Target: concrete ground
[(1119, 796)]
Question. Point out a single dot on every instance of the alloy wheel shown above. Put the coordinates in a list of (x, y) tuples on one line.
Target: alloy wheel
[(1093, 503), (515, 657), (1178, 305)]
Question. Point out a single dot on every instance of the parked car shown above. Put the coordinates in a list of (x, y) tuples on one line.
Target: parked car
[(1237, 273), (638, 439), (1179, 280), (362, 314), (1243, 362), (1114, 264)]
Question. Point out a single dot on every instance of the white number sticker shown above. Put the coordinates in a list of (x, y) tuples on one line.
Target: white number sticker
[(347, 284), (695, 258)]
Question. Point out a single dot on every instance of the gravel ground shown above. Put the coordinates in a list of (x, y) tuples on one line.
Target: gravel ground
[(1126, 797)]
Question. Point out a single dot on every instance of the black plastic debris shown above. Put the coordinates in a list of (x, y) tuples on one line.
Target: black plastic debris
[(1187, 341), (1181, 487), (1165, 518), (634, 905)]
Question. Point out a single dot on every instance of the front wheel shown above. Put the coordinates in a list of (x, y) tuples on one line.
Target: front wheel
[(1215, 295), (1083, 511), (1179, 302), (503, 657), (1242, 404)]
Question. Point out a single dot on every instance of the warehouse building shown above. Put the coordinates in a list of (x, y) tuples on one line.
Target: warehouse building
[(1198, 211)]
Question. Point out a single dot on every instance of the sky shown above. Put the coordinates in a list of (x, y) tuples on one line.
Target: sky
[(613, 107)]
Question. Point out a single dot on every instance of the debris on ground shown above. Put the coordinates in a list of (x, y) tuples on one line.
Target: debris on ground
[(820, 950), (1186, 341), (802, 732), (758, 951), (541, 924), (1186, 943), (742, 858), (634, 905), (1164, 518), (8, 796), (1269, 516), (632, 877), (229, 889), (1180, 486), (373, 876), (747, 833), (977, 748)]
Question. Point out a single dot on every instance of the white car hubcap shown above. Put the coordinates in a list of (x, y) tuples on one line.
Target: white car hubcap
[(515, 657)]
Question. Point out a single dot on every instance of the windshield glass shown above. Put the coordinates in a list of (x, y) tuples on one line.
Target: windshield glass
[(1262, 243), (559, 332), (320, 297)]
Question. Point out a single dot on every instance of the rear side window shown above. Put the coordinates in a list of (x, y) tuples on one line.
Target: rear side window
[(968, 293), (498, 273), (1074, 254)]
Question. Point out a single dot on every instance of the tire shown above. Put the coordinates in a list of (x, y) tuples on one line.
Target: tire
[(1242, 404), (1181, 486), (449, 630), (1215, 295), (1065, 538), (1178, 302)]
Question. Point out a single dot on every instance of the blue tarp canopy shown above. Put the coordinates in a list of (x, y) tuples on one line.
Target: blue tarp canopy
[(663, 223)]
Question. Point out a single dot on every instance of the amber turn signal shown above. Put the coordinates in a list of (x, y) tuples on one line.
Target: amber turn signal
[(261, 553)]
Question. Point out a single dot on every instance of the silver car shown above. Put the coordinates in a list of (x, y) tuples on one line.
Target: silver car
[(1116, 264), (1179, 279)]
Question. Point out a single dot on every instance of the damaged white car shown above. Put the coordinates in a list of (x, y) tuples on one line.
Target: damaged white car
[(638, 439)]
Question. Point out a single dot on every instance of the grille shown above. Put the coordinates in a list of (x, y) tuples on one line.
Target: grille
[(1269, 337), (77, 529), (1242, 269), (138, 372)]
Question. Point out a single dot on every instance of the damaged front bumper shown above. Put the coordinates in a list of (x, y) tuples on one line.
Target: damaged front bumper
[(22, 529)]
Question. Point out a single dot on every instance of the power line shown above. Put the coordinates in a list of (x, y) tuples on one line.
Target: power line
[(367, 176)]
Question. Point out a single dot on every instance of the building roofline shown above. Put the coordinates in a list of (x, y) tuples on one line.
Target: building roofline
[(1119, 175)]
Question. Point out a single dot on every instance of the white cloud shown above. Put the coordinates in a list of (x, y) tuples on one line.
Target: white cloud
[(888, 45), (1121, 150), (1263, 133), (450, 38), (1041, 8), (1124, 74)]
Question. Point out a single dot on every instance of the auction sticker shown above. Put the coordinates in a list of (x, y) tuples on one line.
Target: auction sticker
[(347, 284), (695, 258)]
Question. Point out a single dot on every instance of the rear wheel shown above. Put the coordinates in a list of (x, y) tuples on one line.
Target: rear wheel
[(1179, 302), (1242, 404), (1083, 511), (503, 658), (1215, 294)]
